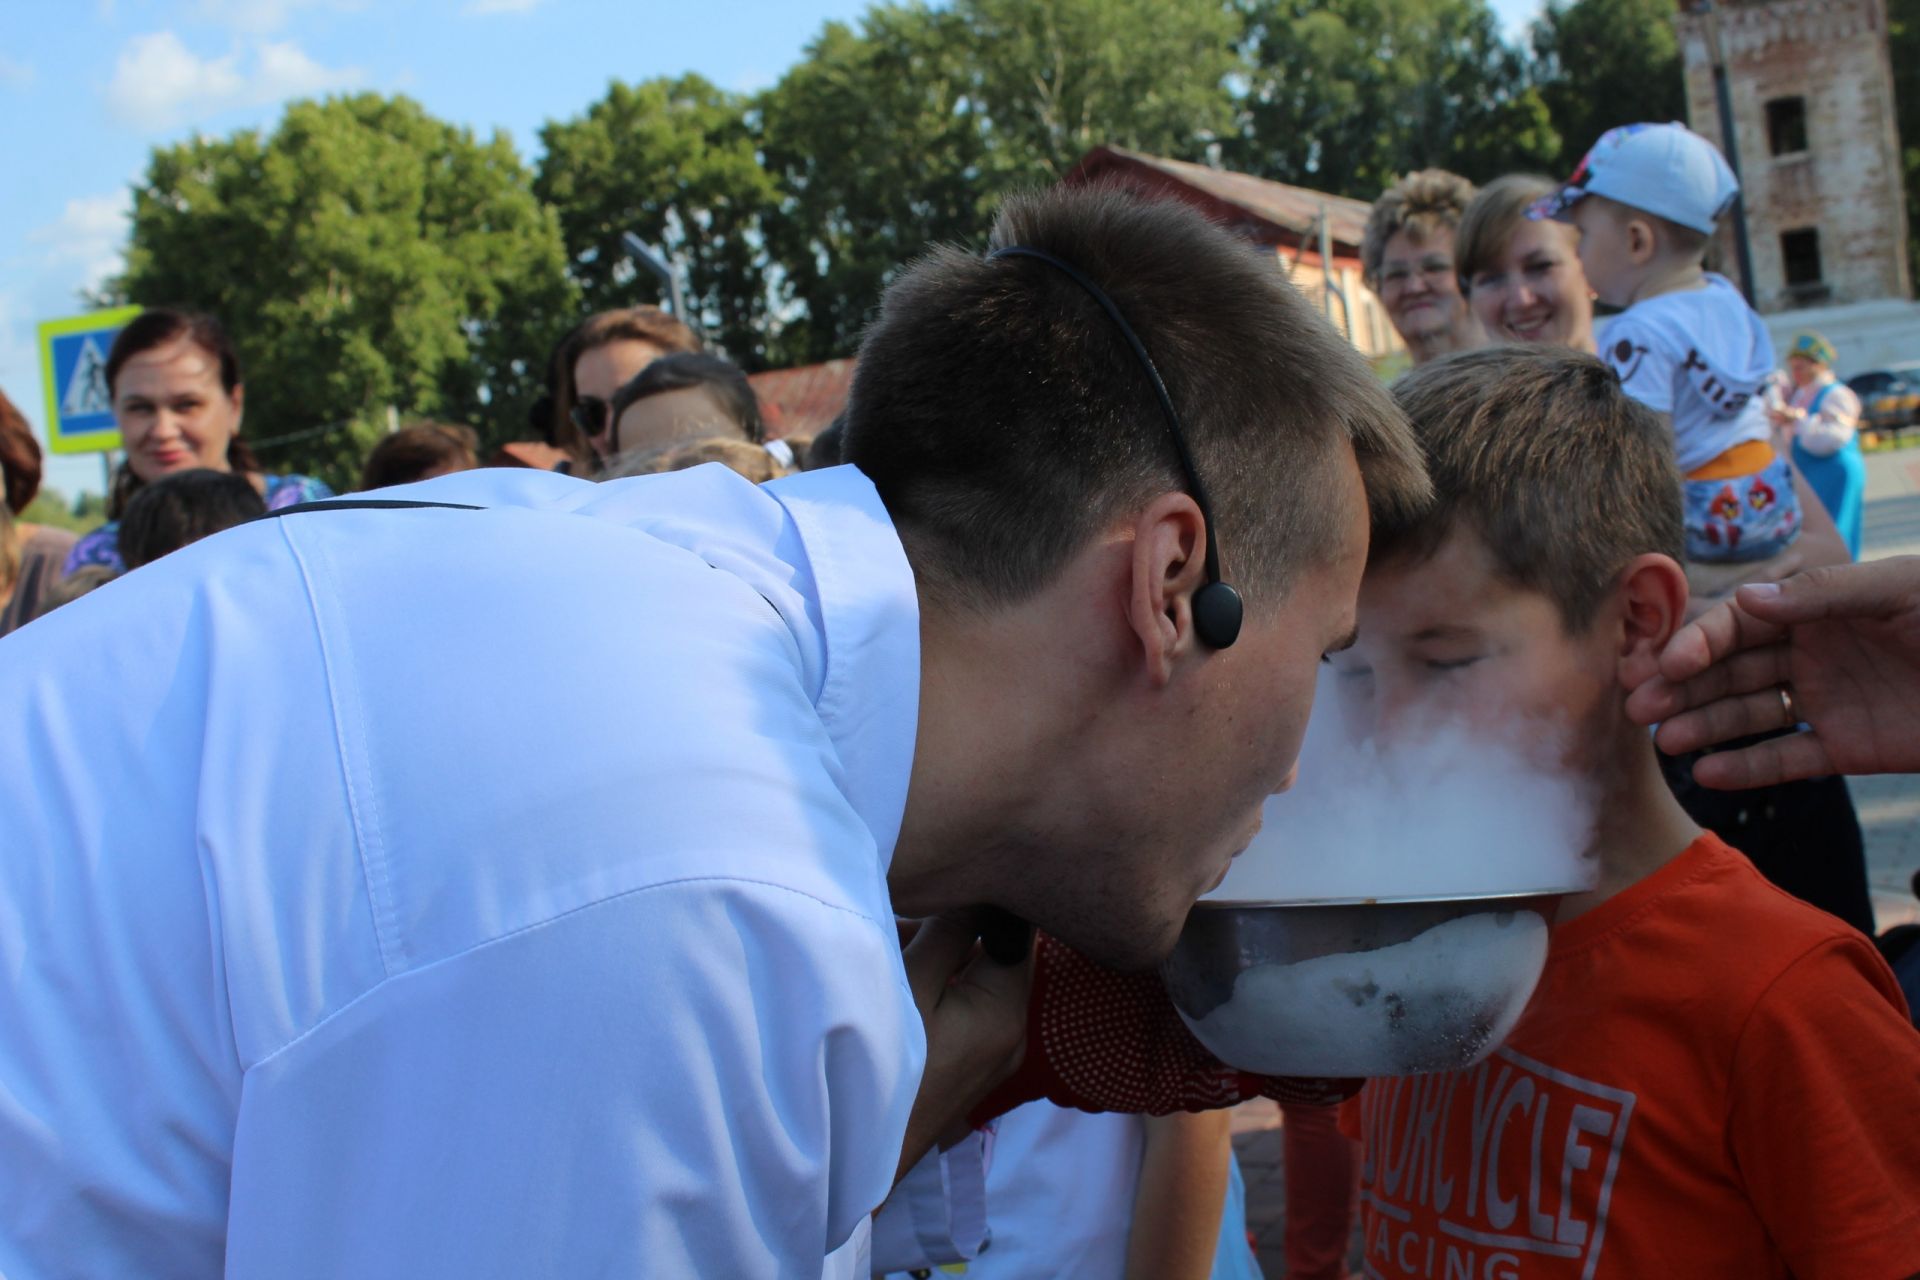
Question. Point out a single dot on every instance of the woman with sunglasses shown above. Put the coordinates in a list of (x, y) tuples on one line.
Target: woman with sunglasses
[(598, 358)]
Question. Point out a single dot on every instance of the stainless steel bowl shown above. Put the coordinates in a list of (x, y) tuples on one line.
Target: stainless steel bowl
[(1359, 988)]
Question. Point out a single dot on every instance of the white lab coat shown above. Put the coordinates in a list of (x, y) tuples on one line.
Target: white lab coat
[(436, 893)]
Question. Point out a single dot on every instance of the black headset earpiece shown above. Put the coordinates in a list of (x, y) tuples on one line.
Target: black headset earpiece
[(1217, 608), (1216, 614)]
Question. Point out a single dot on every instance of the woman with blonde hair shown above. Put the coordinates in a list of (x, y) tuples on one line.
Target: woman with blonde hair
[(1522, 278)]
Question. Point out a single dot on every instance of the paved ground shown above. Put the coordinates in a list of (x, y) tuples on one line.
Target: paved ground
[(1889, 809)]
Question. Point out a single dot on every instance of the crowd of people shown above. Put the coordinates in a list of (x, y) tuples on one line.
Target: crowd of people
[(614, 971)]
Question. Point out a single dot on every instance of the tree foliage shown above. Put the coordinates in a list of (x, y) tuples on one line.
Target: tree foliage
[(674, 161), (1601, 63), (1346, 95), (881, 147), (362, 255), (368, 255), (1903, 33), (1060, 77)]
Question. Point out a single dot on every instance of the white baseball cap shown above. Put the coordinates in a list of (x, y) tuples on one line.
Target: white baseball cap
[(1664, 169)]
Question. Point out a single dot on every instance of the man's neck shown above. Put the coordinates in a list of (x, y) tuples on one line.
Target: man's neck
[(1641, 826), (1670, 276), (987, 729)]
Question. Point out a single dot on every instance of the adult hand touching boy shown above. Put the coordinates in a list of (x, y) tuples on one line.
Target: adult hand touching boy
[(1835, 648)]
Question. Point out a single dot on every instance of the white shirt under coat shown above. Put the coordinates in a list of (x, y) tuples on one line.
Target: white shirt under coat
[(432, 893)]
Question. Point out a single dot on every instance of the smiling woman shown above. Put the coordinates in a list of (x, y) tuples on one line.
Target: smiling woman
[(1523, 278), (178, 398)]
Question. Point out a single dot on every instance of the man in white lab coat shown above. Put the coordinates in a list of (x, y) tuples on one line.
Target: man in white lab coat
[(508, 888)]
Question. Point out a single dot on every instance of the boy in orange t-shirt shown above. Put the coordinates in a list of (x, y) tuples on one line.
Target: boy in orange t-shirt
[(1712, 1079)]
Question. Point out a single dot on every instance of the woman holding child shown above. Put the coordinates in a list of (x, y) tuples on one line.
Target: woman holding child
[(1522, 277)]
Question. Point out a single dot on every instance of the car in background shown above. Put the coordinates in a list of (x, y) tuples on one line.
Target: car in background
[(1889, 397)]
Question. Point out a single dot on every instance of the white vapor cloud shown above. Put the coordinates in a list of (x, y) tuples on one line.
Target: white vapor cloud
[(484, 8)]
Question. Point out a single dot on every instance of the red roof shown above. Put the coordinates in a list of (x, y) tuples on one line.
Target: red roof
[(802, 401), (1270, 212)]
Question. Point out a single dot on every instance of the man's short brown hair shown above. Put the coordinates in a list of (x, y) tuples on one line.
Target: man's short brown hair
[(1562, 475), (1420, 204), (1005, 420)]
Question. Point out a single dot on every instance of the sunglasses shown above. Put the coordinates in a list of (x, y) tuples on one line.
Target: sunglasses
[(591, 414)]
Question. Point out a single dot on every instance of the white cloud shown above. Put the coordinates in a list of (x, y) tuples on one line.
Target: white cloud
[(258, 17), (158, 81), (15, 75), (482, 8), (157, 76), (90, 234), (283, 70)]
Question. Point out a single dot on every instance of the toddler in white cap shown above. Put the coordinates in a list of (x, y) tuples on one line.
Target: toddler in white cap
[(1646, 200)]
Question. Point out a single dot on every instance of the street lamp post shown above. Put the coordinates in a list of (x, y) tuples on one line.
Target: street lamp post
[(668, 276)]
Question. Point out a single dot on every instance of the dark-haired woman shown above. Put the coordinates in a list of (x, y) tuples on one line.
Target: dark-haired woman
[(177, 397)]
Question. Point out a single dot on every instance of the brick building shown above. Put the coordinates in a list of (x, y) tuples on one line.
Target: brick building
[(1811, 88)]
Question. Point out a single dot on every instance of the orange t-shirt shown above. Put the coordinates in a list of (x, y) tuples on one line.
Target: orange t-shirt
[(1712, 1080)]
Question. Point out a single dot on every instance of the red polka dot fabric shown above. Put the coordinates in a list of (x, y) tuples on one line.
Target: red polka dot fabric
[(1098, 1040)]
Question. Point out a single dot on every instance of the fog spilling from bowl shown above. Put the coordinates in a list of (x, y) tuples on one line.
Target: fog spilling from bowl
[(1440, 808)]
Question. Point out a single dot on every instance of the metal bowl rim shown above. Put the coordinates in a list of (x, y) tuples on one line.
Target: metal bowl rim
[(1506, 895)]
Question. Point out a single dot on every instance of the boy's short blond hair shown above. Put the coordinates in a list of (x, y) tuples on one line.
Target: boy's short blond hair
[(1679, 241), (1562, 475)]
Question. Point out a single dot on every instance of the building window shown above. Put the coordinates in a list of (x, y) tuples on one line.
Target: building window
[(1800, 253), (1787, 126)]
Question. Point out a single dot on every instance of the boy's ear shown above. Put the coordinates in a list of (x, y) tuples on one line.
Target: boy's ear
[(1643, 242), (1653, 605)]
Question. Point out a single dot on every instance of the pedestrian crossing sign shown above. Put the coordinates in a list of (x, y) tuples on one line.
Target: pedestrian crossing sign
[(73, 369)]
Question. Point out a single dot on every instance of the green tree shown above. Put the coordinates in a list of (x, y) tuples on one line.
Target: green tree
[(675, 161), (1601, 63), (51, 507), (1903, 33), (1060, 77), (908, 130), (1346, 95), (880, 146), (362, 255)]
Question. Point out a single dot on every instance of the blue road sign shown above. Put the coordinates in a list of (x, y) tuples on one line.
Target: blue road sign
[(73, 369)]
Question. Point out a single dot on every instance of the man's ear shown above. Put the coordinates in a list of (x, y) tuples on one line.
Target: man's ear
[(1652, 597), (1169, 565)]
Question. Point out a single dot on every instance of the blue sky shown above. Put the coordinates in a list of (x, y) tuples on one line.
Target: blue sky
[(88, 87)]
